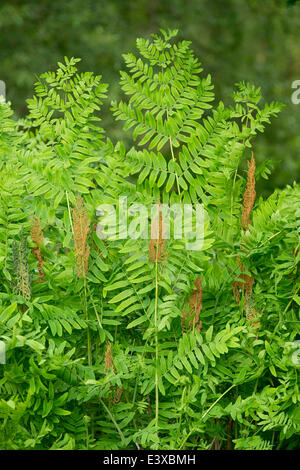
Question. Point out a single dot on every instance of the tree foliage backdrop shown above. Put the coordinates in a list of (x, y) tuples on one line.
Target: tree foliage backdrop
[(235, 40)]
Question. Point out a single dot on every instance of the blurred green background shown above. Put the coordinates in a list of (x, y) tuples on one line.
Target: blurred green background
[(251, 40)]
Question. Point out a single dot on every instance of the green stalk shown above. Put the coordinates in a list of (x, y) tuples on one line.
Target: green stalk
[(173, 158), (180, 418), (89, 346), (156, 343), (204, 414), (69, 212), (112, 419)]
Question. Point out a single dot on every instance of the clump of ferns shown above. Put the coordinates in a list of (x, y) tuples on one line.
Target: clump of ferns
[(85, 254)]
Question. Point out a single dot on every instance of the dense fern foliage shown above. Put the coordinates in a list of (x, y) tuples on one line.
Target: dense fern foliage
[(116, 342)]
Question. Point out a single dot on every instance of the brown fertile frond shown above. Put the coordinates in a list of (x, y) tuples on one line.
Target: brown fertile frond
[(196, 302), (36, 231), (37, 237), (236, 292), (249, 195), (81, 230), (253, 317), (183, 320), (108, 360), (157, 245), (118, 394), (195, 307), (247, 281), (245, 284)]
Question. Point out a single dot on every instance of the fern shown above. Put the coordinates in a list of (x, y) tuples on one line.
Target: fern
[(98, 353)]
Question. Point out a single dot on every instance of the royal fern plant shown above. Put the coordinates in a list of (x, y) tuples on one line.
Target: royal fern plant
[(119, 342)]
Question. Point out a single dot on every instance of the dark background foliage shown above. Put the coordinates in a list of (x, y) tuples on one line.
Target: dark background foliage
[(236, 40)]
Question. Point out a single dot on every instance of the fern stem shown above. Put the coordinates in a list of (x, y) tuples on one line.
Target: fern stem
[(181, 412), (94, 307), (232, 195), (205, 414), (174, 159), (69, 212), (156, 343), (112, 419), (89, 346)]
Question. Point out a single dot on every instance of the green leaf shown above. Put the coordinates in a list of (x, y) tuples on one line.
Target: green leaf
[(137, 321)]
